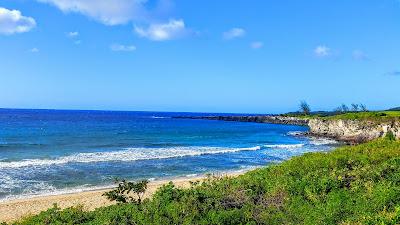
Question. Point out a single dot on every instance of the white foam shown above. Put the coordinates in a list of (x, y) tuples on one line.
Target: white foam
[(295, 133), (323, 141), (160, 117), (192, 175), (130, 154), (45, 189), (287, 146), (7, 182), (49, 190)]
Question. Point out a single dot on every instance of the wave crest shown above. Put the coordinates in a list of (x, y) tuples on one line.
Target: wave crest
[(129, 154), (285, 146), (323, 141)]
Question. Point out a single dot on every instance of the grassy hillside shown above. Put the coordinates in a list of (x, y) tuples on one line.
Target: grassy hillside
[(350, 185)]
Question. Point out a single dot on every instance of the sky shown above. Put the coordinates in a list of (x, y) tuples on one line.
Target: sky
[(244, 56)]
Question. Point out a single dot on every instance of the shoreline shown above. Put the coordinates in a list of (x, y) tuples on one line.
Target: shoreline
[(271, 119), (16, 209), (90, 198), (347, 130)]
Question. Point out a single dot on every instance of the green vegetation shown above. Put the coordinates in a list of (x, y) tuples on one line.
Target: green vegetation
[(306, 113), (395, 109), (350, 185), (305, 108), (121, 193), (390, 136), (343, 112), (354, 108), (371, 116)]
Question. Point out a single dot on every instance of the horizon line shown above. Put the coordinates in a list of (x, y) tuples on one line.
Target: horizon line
[(116, 110)]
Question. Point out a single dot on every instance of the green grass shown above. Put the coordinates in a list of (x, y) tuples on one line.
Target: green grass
[(350, 185), (375, 116)]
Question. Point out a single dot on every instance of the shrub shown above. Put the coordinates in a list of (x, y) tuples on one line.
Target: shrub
[(390, 136), (121, 193)]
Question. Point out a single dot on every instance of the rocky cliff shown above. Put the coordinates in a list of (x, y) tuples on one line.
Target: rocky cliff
[(353, 131)]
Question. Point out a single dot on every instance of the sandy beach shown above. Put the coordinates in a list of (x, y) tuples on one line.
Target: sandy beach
[(14, 210)]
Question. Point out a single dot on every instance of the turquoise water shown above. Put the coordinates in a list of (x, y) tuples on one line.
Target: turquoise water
[(54, 151)]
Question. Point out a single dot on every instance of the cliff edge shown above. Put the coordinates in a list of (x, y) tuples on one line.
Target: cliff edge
[(353, 131), (349, 127)]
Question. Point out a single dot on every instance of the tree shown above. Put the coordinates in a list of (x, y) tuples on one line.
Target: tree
[(354, 107), (305, 108), (338, 110), (344, 108), (121, 193), (363, 108)]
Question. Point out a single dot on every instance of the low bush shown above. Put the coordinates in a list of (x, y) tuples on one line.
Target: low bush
[(123, 192)]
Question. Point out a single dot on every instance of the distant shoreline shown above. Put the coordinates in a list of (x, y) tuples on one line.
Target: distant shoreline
[(253, 119), (351, 128), (16, 209)]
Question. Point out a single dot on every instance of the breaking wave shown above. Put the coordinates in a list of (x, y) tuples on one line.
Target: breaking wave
[(129, 154), (323, 141), (160, 117), (287, 146), (296, 133)]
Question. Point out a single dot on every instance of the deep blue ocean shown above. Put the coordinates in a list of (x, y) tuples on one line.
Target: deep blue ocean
[(58, 151)]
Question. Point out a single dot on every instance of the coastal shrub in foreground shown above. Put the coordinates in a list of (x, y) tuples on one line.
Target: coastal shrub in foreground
[(121, 194), (350, 185)]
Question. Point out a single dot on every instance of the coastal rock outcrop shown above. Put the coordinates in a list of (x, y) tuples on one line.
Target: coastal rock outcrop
[(353, 131), (350, 131)]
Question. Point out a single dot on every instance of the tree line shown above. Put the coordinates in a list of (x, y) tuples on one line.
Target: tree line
[(354, 107)]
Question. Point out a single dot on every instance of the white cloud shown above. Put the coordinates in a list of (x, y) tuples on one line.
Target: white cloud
[(122, 48), (117, 12), (34, 50), (322, 51), (77, 42), (109, 12), (73, 34), (163, 31), (359, 55), (12, 21), (257, 45), (234, 33)]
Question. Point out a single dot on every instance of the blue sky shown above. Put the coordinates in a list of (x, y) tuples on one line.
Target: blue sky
[(206, 56)]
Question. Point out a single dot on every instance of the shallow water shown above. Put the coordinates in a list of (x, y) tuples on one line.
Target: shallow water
[(49, 151)]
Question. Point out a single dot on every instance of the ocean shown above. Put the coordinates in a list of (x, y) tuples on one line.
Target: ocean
[(44, 152)]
